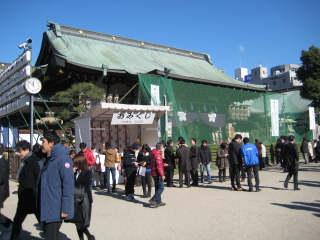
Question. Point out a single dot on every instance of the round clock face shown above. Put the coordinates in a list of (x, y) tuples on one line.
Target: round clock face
[(33, 85)]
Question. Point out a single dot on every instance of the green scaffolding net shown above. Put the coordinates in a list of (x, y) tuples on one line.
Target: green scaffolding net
[(216, 114)]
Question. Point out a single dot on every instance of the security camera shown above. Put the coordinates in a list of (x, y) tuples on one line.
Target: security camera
[(23, 45)]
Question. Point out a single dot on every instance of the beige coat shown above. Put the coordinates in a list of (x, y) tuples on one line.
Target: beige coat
[(111, 157)]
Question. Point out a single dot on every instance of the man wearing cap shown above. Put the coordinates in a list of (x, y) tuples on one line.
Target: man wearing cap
[(130, 164)]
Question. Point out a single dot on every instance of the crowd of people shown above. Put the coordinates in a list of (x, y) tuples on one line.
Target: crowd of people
[(55, 183)]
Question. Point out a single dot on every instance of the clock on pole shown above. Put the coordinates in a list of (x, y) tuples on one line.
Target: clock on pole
[(32, 85)]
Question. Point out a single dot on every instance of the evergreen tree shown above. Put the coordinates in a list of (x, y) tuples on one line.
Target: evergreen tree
[(309, 74), (77, 99)]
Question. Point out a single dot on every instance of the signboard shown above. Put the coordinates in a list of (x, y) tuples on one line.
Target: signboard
[(15, 79), (127, 118), (19, 63), (274, 117), (13, 93), (169, 129), (248, 78), (17, 104), (312, 119), (155, 95)]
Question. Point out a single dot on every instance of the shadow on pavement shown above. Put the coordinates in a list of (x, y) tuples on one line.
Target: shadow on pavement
[(304, 206), (23, 235), (120, 195)]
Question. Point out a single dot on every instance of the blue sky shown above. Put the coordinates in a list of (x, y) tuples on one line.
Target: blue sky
[(269, 33)]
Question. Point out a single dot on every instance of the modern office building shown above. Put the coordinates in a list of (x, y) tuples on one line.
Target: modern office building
[(281, 77), (239, 73)]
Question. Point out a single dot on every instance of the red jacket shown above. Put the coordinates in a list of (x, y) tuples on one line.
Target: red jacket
[(157, 167), (89, 157)]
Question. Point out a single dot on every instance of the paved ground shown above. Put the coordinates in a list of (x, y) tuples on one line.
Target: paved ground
[(204, 212)]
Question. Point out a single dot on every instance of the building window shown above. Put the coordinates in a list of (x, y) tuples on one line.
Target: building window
[(274, 83), (284, 80)]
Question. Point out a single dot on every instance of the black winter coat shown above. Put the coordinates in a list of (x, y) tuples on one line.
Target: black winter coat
[(194, 156), (291, 154), (128, 159), (28, 184), (169, 158), (183, 154), (234, 154), (82, 211), (144, 158), (205, 154), (4, 180)]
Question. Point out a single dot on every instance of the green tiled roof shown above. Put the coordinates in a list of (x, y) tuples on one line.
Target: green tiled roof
[(92, 49)]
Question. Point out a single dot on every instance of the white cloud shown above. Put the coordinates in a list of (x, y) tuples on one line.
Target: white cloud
[(241, 48)]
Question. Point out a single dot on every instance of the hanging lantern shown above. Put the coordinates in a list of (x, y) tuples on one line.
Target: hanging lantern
[(237, 112), (109, 97), (241, 113), (116, 97)]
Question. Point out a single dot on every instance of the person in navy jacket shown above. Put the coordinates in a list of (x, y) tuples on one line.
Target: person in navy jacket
[(56, 186), (249, 155)]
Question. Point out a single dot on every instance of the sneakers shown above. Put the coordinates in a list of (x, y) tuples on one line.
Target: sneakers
[(130, 197)]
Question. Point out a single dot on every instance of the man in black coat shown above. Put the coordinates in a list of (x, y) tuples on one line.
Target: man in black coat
[(284, 142), (235, 162), (4, 186), (130, 165), (205, 160), (291, 157), (194, 160), (305, 150), (170, 160), (27, 176), (183, 153)]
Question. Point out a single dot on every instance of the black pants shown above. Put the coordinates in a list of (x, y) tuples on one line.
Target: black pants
[(194, 176), (22, 211), (131, 178), (293, 171), (256, 177), (102, 179), (51, 230), (243, 172), (186, 177), (146, 180), (235, 173), (169, 177)]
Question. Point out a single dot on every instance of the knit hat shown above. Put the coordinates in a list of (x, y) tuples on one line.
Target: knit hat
[(134, 146)]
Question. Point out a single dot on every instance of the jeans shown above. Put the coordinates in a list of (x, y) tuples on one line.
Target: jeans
[(113, 172), (306, 157), (146, 180), (159, 187), (207, 166)]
